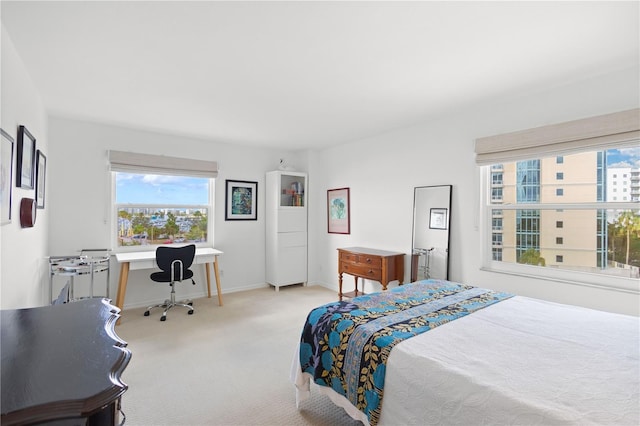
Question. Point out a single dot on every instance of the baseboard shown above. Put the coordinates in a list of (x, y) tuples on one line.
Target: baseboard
[(194, 295), (203, 293)]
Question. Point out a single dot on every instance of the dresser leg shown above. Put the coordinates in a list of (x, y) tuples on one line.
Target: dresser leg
[(340, 286)]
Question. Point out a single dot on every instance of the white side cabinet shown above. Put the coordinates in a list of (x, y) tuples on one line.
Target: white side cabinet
[(286, 227)]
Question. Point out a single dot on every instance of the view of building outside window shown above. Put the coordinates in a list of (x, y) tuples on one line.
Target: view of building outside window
[(567, 235), (161, 209)]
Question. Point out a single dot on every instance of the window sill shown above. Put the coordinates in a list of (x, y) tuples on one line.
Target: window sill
[(624, 285)]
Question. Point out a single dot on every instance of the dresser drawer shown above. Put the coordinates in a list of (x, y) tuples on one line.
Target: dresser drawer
[(363, 271), (361, 259)]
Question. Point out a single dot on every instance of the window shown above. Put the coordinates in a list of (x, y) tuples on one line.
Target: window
[(528, 181), (161, 200), (596, 227), (532, 207), (527, 232), (161, 209), (496, 253), (496, 194), (496, 178)]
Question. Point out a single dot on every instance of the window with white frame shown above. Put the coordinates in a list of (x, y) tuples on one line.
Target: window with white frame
[(538, 217), (161, 200)]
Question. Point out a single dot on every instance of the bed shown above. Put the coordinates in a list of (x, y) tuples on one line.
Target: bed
[(439, 352)]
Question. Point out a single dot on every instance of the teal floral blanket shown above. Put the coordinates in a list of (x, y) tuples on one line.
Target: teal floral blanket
[(345, 345)]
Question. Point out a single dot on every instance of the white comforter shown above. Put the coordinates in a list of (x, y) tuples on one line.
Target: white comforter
[(520, 362)]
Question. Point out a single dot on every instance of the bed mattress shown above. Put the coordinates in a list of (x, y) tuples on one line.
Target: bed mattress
[(520, 361)]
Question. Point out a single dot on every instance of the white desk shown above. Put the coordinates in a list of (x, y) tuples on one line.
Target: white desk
[(131, 261)]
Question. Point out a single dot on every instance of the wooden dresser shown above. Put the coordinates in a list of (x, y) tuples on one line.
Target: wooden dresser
[(371, 264)]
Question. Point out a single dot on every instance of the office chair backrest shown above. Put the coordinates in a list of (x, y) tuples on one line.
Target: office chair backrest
[(165, 256)]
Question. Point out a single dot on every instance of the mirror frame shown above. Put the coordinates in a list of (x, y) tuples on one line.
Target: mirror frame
[(415, 257)]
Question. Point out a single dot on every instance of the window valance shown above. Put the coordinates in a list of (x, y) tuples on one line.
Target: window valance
[(121, 161), (618, 129)]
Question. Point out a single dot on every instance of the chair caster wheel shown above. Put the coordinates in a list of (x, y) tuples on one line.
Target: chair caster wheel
[(190, 303), (163, 318), (146, 313), (191, 312)]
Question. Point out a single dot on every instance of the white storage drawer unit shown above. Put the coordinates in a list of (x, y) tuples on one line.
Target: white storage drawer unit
[(286, 228)]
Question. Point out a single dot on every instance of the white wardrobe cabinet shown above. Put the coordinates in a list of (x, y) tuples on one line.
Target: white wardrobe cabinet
[(286, 227)]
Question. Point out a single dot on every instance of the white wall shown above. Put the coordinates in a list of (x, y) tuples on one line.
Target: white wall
[(22, 251), (80, 207), (383, 170)]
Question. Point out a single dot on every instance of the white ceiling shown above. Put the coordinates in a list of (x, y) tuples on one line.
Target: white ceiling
[(298, 75)]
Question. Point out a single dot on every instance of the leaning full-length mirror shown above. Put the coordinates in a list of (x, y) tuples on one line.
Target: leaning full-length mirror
[(431, 219)]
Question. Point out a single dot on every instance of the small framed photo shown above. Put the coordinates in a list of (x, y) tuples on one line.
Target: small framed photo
[(438, 219), (41, 173), (6, 177), (241, 201), (26, 155), (338, 211)]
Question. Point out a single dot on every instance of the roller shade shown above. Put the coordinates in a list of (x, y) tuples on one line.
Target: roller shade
[(620, 129), (121, 161)]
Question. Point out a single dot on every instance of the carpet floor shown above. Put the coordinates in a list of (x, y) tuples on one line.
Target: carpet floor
[(224, 365)]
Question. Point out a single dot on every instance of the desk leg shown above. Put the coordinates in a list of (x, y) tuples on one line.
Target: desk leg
[(216, 270), (122, 286), (208, 273)]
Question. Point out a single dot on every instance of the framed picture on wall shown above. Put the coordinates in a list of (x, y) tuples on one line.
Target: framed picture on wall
[(6, 176), (41, 173), (438, 219), (338, 211), (241, 202), (26, 155)]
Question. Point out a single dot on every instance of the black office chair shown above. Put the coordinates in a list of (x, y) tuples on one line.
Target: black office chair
[(175, 263)]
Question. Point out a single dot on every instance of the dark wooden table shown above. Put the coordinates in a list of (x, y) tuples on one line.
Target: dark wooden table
[(62, 364)]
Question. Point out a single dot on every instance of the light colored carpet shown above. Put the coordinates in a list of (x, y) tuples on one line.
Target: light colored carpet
[(224, 365)]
